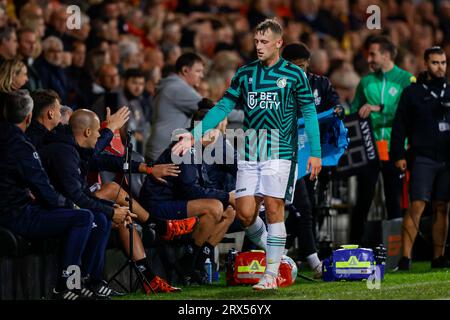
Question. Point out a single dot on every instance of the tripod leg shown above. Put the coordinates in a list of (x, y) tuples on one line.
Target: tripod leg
[(133, 265), (141, 278), (113, 278), (131, 229)]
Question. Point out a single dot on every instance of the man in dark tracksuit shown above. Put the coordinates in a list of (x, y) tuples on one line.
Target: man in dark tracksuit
[(62, 166), (46, 116), (68, 156), (51, 214), (423, 116), (182, 197), (300, 219)]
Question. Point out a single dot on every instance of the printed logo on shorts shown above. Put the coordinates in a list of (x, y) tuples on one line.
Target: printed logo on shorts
[(241, 190)]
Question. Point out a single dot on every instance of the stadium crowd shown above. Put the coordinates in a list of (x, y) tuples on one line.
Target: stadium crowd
[(168, 62)]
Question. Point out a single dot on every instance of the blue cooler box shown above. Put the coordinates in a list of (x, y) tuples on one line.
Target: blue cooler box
[(352, 264)]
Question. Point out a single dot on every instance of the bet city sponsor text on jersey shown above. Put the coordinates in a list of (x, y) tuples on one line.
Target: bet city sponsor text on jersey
[(263, 100)]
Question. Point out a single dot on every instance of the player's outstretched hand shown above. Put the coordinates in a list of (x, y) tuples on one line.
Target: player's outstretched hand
[(186, 140), (118, 119), (165, 170), (314, 166)]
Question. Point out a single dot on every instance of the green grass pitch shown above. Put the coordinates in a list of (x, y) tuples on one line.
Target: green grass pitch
[(420, 283)]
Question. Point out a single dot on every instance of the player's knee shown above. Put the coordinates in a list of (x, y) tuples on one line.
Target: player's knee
[(215, 210), (103, 222), (272, 214), (112, 188), (440, 207), (230, 214), (246, 220)]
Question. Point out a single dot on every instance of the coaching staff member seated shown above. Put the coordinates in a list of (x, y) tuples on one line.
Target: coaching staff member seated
[(72, 152), (46, 115), (184, 196), (423, 116), (51, 214)]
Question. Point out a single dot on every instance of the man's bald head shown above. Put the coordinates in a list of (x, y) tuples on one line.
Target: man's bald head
[(85, 126), (82, 119)]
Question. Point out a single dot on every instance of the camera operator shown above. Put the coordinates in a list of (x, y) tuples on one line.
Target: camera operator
[(423, 117)]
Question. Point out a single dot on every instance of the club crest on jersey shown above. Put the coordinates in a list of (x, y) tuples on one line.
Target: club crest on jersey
[(281, 82), (393, 91)]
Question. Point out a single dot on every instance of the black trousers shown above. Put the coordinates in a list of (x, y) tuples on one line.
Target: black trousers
[(300, 221), (367, 181)]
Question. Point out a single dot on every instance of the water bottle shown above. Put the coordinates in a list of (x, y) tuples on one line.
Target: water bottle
[(208, 269), (380, 259), (229, 266)]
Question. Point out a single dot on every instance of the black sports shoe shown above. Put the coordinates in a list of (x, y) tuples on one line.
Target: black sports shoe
[(441, 262), (102, 290), (404, 264), (71, 295), (196, 277)]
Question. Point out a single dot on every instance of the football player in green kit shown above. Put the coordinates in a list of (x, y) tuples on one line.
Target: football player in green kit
[(274, 90)]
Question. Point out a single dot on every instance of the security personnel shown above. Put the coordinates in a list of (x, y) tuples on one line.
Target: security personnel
[(50, 214), (423, 116)]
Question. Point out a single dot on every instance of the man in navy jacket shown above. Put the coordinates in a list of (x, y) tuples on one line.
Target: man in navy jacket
[(74, 151), (45, 213)]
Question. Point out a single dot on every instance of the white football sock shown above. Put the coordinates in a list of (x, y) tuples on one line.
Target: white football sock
[(257, 233), (276, 241), (313, 261)]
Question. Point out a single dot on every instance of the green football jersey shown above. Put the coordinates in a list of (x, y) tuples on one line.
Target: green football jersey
[(378, 88), (272, 98)]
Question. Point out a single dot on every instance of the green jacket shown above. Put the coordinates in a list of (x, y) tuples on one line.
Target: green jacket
[(378, 88)]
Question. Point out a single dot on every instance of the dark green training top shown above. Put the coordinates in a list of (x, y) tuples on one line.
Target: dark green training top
[(272, 98)]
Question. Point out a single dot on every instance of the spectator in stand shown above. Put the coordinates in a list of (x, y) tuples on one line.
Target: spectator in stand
[(58, 27), (49, 67), (78, 78), (131, 96), (8, 43), (130, 56), (27, 52), (66, 112), (13, 75), (105, 90), (175, 103)]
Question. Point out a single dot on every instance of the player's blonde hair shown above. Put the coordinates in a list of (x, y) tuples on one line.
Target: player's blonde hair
[(269, 24)]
